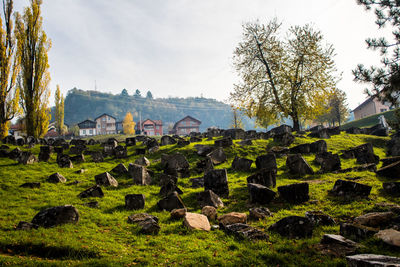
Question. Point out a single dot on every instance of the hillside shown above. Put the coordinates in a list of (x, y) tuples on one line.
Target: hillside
[(81, 105), (368, 121), (103, 237)]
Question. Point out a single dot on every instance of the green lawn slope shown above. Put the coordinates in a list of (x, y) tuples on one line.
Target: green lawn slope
[(368, 121), (104, 238)]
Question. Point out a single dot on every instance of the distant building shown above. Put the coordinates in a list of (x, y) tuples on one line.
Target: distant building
[(119, 127), (186, 125), (106, 124), (87, 128), (149, 127), (51, 133), (16, 130), (369, 107)]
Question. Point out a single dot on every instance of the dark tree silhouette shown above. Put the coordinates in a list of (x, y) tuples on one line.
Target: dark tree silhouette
[(385, 79)]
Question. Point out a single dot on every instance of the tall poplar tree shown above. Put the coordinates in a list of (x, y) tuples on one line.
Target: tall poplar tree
[(59, 112), (9, 69), (33, 46), (237, 122)]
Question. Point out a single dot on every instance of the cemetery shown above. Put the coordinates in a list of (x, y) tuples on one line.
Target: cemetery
[(221, 197)]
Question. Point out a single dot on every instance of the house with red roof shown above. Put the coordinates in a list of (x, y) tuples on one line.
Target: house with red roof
[(149, 127), (186, 125)]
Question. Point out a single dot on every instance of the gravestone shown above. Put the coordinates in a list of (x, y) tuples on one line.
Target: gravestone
[(139, 174), (294, 193), (217, 181), (130, 141), (134, 201), (298, 165), (264, 177), (56, 178), (267, 162), (350, 189), (94, 191), (209, 198), (105, 179), (56, 216), (260, 194), (241, 164), (293, 227)]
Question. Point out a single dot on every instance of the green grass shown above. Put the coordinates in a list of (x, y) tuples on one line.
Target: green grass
[(368, 121), (104, 238)]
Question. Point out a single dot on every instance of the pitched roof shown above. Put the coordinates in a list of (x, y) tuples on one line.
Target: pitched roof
[(87, 121), (16, 127), (106, 115), (156, 122), (369, 99), (190, 117), (51, 133)]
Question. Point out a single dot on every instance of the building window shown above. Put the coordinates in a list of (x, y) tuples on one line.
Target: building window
[(104, 126), (90, 131), (98, 125), (383, 109), (104, 118), (109, 118), (84, 131)]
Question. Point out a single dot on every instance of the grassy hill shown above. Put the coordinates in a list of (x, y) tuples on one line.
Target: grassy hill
[(104, 238), (368, 121)]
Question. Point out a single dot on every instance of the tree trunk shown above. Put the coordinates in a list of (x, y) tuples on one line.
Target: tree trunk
[(3, 124), (30, 121), (296, 124)]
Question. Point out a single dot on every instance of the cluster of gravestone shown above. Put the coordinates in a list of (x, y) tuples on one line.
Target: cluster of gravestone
[(260, 184)]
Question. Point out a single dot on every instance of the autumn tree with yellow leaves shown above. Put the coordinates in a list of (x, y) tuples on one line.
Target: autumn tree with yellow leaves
[(128, 124), (282, 77), (34, 78), (9, 69), (59, 112)]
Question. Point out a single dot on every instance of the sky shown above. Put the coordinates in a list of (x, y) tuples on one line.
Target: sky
[(184, 48)]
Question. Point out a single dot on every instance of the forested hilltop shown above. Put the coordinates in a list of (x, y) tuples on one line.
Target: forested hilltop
[(81, 105)]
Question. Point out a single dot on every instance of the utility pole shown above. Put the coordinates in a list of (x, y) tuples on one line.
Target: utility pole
[(140, 122)]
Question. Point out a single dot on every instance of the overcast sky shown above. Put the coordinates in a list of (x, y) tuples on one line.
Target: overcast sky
[(184, 47)]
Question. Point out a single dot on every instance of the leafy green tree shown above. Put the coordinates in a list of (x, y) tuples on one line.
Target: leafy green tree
[(385, 80), (9, 69), (340, 110), (74, 129), (34, 78), (149, 95), (282, 77), (336, 109)]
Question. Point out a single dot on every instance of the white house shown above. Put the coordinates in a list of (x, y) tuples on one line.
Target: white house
[(87, 128)]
